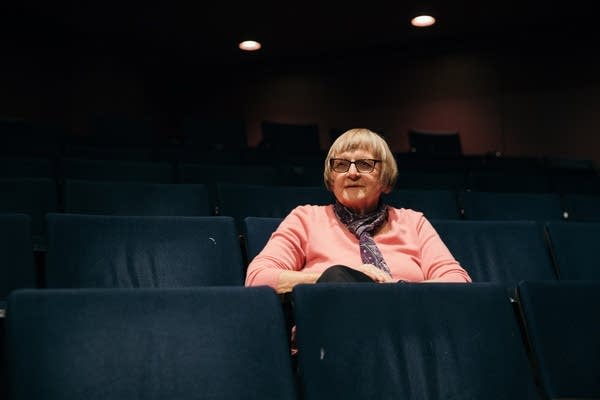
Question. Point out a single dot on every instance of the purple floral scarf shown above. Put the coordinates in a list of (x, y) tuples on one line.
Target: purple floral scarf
[(363, 226)]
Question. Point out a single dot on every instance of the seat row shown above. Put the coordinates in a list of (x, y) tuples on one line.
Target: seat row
[(520, 175), (354, 341), (146, 171), (38, 196), (94, 251)]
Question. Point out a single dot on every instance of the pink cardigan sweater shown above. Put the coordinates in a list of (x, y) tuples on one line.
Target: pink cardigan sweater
[(311, 238)]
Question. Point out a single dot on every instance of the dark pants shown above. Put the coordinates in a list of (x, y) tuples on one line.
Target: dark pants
[(341, 273), (333, 274)]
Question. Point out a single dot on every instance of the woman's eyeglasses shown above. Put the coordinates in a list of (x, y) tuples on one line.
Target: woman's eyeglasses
[(342, 165)]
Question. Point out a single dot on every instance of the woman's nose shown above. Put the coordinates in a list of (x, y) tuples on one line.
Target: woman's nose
[(352, 170)]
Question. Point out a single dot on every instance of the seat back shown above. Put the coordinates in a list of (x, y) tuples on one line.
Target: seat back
[(32, 196), (582, 207), (431, 180), (409, 341), (434, 204), (22, 137), (135, 198), (573, 246), (504, 252), (561, 319), (241, 201), (430, 143), (576, 182), (87, 344), (512, 206), (27, 167), (221, 134), (17, 269), (257, 232), (508, 181), (116, 170), (212, 175), (133, 251), (289, 137)]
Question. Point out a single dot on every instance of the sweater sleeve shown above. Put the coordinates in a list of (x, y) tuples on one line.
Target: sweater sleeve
[(285, 250), (436, 260)]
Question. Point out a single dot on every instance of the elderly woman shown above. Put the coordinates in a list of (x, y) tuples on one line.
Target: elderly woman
[(359, 238)]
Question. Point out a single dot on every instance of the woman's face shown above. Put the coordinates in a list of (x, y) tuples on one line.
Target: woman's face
[(358, 191)]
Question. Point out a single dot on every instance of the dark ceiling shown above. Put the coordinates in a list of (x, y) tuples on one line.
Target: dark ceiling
[(208, 32)]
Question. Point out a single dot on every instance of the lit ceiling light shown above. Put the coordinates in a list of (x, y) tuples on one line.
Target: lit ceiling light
[(422, 21), (250, 45)]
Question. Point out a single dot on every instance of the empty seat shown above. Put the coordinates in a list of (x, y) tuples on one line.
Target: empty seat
[(434, 162), (257, 232), (240, 201), (27, 167), (124, 251), (135, 198), (561, 319), (19, 137), (436, 204), (504, 252), (108, 152), (512, 206), (409, 341), (508, 181), (581, 183), (573, 246), (209, 133), (17, 269), (304, 175), (211, 175), (291, 138), (430, 143), (431, 180), (119, 129), (511, 165), (212, 343), (582, 207), (569, 165), (32, 196), (116, 170)]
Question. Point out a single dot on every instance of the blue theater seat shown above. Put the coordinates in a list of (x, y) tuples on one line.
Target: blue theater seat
[(504, 252), (573, 246), (512, 206), (17, 269), (257, 232), (116, 170), (409, 341), (34, 197), (135, 252), (582, 207), (135, 198), (240, 201), (561, 319), (216, 343), (434, 204)]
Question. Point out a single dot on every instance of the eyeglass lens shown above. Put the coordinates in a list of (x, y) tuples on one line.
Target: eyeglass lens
[(361, 165)]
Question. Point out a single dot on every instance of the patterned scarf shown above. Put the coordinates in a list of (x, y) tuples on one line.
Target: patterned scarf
[(363, 227)]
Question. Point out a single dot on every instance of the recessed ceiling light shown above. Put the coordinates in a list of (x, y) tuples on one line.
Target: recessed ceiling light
[(422, 21), (249, 45)]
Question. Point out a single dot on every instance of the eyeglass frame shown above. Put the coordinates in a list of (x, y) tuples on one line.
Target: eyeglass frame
[(333, 160)]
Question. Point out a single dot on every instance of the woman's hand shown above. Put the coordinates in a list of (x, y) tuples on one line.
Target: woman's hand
[(375, 273)]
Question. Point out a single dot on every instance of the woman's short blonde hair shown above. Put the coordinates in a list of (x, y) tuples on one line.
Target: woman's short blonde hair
[(364, 139)]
